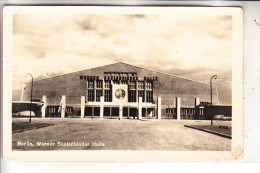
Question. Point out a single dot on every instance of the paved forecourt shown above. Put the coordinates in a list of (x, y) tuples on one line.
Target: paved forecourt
[(112, 134)]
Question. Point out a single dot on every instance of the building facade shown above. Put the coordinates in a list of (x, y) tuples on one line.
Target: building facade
[(120, 90)]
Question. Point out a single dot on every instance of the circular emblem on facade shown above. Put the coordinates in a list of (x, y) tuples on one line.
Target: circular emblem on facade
[(120, 93)]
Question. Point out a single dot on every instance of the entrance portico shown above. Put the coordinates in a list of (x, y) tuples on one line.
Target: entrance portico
[(121, 100), (121, 109)]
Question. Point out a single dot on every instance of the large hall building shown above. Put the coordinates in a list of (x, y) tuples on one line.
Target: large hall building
[(120, 90)]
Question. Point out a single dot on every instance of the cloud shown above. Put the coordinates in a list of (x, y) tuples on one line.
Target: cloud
[(86, 24), (47, 44)]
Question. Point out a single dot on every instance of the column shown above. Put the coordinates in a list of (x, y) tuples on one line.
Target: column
[(82, 113), (178, 108), (103, 87), (24, 86), (101, 107), (44, 100), (197, 102), (121, 112), (95, 90), (63, 106), (140, 108), (159, 108)]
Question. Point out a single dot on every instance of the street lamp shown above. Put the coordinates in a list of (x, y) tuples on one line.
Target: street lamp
[(213, 77), (28, 74)]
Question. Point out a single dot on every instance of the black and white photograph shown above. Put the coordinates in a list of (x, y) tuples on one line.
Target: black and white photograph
[(141, 79)]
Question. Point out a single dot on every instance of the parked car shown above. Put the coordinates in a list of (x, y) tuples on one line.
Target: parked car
[(222, 117)]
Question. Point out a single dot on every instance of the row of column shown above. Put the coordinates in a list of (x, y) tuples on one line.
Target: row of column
[(83, 99), (62, 104), (140, 106)]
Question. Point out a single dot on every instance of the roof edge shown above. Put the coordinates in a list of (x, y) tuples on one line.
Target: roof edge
[(73, 72), (167, 74), (128, 65)]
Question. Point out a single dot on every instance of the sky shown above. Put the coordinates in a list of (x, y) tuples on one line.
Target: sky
[(190, 46)]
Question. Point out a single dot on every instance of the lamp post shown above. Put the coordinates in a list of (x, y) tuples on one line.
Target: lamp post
[(213, 77), (31, 97)]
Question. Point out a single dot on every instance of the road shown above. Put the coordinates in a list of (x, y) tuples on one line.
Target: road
[(112, 134)]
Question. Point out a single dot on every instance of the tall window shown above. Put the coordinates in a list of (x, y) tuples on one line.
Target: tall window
[(141, 94), (107, 84), (140, 85), (99, 83), (149, 85), (149, 96), (108, 96), (90, 95), (131, 85), (132, 96), (90, 84), (98, 95)]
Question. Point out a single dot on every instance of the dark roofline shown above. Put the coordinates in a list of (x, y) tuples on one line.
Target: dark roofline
[(166, 74), (226, 105), (171, 75), (72, 72)]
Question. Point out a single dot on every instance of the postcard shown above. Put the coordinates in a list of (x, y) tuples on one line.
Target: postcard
[(117, 83)]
